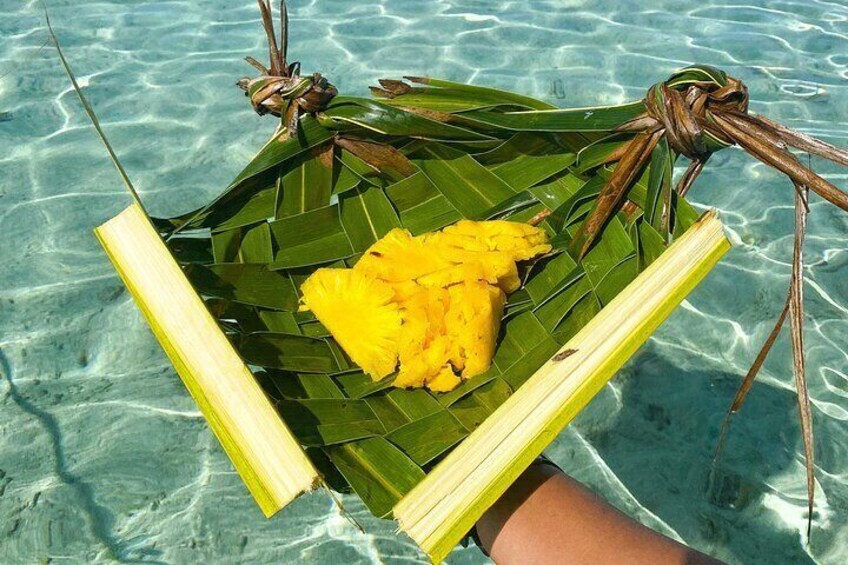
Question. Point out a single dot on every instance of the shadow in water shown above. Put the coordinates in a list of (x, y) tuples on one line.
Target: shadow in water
[(99, 519), (661, 444)]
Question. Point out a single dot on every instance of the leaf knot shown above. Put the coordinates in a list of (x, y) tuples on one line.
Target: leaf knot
[(685, 104), (280, 90)]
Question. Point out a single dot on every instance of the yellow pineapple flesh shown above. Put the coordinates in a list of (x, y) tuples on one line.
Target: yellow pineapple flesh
[(473, 322), (428, 306), (399, 257), (359, 313)]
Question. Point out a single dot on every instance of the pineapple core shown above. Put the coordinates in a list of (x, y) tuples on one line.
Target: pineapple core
[(427, 307)]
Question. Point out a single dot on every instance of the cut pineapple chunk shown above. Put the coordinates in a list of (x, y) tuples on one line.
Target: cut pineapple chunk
[(495, 267), (455, 274), (429, 306), (398, 257), (359, 313), (444, 381), (520, 241), (473, 322)]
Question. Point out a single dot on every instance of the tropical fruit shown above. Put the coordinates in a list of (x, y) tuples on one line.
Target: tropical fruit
[(359, 311), (431, 303)]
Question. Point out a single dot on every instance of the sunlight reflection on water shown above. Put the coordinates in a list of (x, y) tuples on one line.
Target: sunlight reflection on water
[(103, 455)]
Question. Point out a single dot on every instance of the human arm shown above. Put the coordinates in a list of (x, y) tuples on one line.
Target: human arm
[(547, 517)]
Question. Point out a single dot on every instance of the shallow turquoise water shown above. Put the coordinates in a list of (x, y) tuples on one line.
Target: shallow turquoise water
[(104, 457)]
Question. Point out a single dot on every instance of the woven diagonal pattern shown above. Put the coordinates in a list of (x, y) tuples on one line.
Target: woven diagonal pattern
[(419, 157)]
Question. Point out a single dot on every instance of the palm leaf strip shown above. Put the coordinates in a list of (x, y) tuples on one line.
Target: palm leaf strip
[(339, 172), (428, 152)]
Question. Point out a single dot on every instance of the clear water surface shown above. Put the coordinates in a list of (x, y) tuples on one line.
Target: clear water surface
[(103, 455)]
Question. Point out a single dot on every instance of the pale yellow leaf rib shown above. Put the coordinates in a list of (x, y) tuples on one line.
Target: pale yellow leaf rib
[(263, 450), (445, 505)]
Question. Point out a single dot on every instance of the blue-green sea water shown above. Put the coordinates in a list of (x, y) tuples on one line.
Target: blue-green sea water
[(103, 455)]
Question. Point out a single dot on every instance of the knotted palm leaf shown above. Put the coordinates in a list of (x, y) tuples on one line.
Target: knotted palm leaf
[(340, 172)]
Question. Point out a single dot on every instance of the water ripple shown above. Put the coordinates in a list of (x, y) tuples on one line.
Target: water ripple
[(103, 455)]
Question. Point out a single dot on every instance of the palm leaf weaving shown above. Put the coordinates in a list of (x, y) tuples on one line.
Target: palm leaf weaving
[(340, 173)]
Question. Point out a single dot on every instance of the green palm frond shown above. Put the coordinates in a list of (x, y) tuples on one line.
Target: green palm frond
[(446, 152), (308, 201), (422, 154), (340, 172)]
